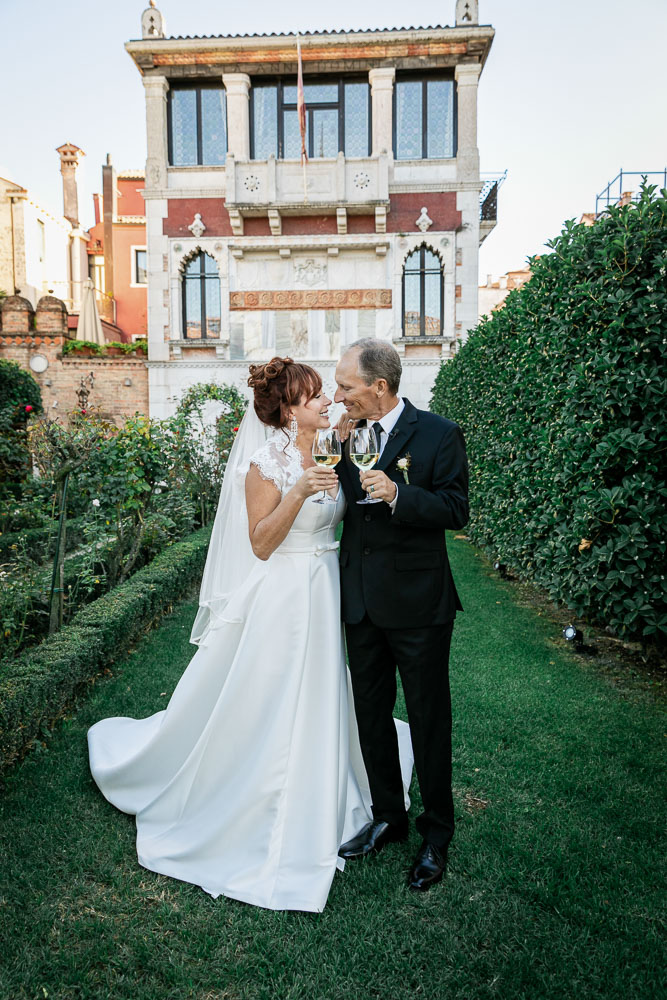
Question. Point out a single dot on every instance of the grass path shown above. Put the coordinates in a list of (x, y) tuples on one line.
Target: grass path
[(555, 877)]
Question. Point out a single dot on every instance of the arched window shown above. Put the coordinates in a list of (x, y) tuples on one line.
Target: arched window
[(423, 294), (201, 297)]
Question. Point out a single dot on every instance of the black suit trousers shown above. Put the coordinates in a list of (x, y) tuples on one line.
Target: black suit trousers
[(422, 658)]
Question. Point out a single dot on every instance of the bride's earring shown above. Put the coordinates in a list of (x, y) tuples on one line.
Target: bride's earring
[(293, 428)]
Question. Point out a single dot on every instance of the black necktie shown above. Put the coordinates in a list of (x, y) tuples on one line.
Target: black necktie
[(377, 427)]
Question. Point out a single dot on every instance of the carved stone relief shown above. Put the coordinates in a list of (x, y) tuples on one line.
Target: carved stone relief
[(310, 272)]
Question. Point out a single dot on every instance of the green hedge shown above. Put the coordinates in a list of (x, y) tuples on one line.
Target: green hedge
[(41, 684), (561, 395)]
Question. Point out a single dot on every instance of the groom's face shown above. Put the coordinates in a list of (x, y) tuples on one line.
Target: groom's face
[(360, 400)]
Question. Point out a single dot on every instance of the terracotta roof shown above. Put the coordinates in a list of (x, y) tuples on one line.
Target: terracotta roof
[(307, 34)]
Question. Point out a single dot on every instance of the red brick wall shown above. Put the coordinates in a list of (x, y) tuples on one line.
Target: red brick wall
[(181, 212), (405, 210)]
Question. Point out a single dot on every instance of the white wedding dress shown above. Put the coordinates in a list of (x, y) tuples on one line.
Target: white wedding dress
[(252, 778)]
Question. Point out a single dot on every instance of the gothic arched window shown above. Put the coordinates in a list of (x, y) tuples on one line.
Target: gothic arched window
[(201, 297), (423, 294)]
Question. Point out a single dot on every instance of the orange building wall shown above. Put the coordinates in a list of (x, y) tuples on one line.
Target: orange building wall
[(130, 200), (130, 302)]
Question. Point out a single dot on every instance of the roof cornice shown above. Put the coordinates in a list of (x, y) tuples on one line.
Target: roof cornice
[(372, 47)]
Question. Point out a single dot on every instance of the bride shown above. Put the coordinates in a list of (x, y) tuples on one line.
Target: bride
[(250, 780)]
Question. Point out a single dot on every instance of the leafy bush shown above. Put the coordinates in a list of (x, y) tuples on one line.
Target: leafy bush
[(100, 350), (77, 346), (561, 395), (36, 687), (20, 396), (201, 440), (132, 491)]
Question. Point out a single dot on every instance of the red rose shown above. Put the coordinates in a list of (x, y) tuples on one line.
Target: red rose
[(235, 429), (83, 413), (28, 408)]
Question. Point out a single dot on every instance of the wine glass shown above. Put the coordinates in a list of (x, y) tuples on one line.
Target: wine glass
[(364, 452), (326, 451)]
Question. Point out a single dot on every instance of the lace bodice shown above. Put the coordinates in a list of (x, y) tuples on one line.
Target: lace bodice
[(279, 461)]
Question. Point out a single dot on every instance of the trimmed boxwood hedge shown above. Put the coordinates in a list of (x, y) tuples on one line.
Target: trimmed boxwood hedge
[(561, 395), (38, 686)]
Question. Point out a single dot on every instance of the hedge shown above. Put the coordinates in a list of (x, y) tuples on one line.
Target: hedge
[(38, 686), (561, 396)]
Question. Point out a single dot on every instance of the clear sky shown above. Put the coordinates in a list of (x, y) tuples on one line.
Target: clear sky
[(572, 91)]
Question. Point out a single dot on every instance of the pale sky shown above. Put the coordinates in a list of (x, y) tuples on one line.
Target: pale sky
[(572, 91)]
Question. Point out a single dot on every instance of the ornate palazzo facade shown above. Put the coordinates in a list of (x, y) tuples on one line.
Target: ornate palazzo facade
[(252, 253)]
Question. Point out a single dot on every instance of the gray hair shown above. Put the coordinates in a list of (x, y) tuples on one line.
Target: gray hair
[(378, 359)]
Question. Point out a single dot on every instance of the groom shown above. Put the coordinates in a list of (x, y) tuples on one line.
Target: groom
[(399, 600)]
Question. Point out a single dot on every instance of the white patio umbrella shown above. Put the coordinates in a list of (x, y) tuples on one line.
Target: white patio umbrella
[(90, 327)]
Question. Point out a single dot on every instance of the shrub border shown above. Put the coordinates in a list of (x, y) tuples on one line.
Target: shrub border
[(40, 684)]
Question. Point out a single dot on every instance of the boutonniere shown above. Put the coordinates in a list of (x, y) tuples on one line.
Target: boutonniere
[(403, 465)]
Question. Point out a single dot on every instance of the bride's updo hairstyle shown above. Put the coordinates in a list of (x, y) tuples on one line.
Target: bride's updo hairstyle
[(280, 384)]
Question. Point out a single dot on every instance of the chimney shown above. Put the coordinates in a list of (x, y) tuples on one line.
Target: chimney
[(110, 210), (70, 155), (96, 205)]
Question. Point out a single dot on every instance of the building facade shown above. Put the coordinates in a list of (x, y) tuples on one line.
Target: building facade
[(117, 251), (41, 252), (251, 252)]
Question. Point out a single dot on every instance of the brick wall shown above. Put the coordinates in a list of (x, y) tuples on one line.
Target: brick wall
[(24, 334)]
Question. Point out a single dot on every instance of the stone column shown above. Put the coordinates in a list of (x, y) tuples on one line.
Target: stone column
[(382, 101), (156, 88), (237, 86), (467, 156), (78, 266)]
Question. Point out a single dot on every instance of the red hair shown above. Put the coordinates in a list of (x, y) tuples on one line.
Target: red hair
[(280, 384)]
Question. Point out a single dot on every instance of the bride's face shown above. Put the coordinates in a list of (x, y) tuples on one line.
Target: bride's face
[(312, 413)]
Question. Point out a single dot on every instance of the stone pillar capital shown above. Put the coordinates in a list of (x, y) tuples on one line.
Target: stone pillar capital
[(382, 78), (467, 74), (155, 86), (236, 83)]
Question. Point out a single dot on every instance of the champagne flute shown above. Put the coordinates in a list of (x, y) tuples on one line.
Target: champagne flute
[(326, 452), (364, 452)]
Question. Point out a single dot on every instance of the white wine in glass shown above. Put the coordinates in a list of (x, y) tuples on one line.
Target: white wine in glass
[(364, 452), (326, 452)]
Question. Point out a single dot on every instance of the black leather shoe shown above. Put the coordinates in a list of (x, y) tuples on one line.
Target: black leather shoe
[(371, 839), (428, 868)]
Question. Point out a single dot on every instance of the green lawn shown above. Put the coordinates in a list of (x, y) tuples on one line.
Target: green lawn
[(554, 884)]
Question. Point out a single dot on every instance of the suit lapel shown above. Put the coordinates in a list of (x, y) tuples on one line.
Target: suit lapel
[(405, 427)]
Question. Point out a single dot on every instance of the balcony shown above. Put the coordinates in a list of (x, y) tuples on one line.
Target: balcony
[(275, 188), (488, 204)]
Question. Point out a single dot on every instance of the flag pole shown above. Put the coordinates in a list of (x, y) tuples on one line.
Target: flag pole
[(301, 112)]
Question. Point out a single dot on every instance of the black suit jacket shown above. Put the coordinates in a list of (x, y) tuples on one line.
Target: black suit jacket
[(394, 566)]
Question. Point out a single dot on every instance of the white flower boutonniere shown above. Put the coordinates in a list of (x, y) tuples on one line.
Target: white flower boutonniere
[(403, 465)]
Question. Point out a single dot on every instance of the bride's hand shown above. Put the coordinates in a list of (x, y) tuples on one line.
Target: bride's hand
[(345, 425), (316, 479)]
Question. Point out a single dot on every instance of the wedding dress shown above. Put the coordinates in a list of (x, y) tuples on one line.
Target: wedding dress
[(250, 780)]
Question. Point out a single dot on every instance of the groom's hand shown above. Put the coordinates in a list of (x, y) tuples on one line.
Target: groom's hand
[(384, 488)]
